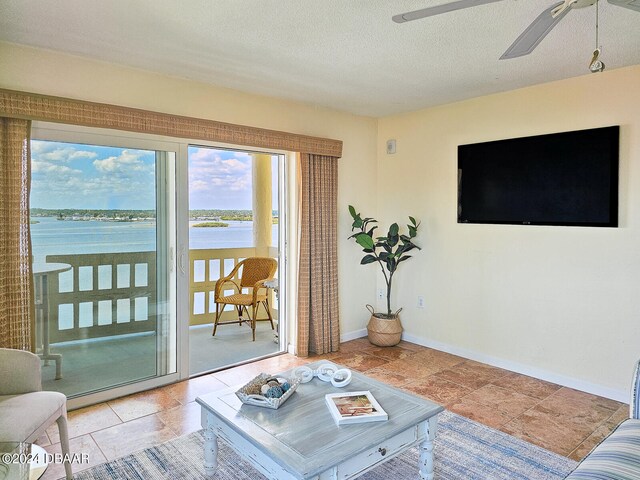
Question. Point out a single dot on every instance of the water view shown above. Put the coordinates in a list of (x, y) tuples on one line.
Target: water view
[(51, 236)]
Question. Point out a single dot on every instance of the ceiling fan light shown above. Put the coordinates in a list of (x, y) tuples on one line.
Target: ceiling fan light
[(596, 66)]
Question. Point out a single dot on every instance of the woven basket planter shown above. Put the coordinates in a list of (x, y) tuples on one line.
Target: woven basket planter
[(384, 331)]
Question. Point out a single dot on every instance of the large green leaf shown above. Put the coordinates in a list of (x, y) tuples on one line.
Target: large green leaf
[(412, 220), (393, 230), (364, 240), (352, 211), (367, 259)]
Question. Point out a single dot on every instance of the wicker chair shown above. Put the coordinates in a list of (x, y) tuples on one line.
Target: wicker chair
[(255, 271)]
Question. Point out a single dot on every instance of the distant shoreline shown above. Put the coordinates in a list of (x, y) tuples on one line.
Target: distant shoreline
[(211, 225), (116, 215)]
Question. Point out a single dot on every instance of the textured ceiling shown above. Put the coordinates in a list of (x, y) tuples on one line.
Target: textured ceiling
[(343, 54)]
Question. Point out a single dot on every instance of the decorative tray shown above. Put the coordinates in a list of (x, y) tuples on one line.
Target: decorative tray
[(248, 395)]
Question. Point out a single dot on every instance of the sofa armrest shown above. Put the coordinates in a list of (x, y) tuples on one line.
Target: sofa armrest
[(19, 372), (634, 404)]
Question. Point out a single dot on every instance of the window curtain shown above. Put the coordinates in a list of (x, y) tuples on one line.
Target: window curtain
[(16, 281), (318, 319), (33, 106)]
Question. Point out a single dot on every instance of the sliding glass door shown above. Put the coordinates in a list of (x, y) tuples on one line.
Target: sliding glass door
[(130, 234), (234, 214), (103, 234)]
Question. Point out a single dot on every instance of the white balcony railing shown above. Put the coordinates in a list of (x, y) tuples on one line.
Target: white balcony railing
[(111, 294)]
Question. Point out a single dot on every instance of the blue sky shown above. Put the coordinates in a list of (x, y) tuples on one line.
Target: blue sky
[(66, 175)]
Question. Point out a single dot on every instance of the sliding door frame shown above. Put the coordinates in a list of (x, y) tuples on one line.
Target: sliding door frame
[(110, 138), (179, 259), (285, 161)]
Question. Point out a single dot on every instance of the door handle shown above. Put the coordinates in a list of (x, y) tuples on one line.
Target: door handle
[(181, 262)]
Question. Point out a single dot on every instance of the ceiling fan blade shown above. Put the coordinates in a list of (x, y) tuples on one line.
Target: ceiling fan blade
[(438, 9), (632, 4), (533, 35)]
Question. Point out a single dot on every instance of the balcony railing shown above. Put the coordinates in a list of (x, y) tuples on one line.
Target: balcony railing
[(102, 295), (110, 294)]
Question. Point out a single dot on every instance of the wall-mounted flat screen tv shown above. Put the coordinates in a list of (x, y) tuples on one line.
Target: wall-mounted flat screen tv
[(568, 178)]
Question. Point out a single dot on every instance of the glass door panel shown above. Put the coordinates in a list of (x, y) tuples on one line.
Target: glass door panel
[(103, 234), (233, 215)]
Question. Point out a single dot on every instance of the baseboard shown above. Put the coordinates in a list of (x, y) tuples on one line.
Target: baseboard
[(612, 393), (345, 337)]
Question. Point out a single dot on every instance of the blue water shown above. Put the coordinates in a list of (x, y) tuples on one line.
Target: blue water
[(52, 236)]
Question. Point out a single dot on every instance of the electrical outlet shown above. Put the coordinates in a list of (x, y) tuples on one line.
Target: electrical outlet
[(381, 294), (420, 301)]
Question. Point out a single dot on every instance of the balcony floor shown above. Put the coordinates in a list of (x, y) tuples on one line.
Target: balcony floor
[(102, 363)]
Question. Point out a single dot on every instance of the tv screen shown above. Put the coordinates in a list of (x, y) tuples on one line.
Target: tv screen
[(568, 178)]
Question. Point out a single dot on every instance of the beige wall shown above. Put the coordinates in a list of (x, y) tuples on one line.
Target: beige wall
[(562, 303), (45, 72)]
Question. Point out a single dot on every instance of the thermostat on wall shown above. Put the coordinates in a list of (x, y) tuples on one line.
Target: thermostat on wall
[(391, 146)]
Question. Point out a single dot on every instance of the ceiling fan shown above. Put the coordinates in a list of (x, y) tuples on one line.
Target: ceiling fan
[(534, 33)]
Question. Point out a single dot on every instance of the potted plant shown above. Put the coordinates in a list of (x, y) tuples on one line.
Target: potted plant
[(384, 329)]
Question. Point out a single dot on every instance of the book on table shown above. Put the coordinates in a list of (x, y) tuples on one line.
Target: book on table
[(354, 407)]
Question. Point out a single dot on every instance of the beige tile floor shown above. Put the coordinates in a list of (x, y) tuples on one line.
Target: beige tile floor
[(557, 418)]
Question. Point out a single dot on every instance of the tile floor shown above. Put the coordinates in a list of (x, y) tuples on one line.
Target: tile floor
[(560, 419)]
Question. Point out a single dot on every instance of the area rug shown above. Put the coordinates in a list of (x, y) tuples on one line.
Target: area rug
[(464, 450)]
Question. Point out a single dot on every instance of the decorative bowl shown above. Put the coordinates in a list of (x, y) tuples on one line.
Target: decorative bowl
[(261, 401)]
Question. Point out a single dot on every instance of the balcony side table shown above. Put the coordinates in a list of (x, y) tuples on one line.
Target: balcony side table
[(41, 272)]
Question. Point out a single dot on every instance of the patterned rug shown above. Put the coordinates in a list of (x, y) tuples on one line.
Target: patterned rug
[(464, 450)]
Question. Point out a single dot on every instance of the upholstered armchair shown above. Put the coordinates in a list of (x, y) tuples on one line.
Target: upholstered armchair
[(618, 455), (25, 410)]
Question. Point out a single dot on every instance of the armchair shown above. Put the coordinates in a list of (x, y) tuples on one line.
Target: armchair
[(25, 410), (618, 455), (255, 272)]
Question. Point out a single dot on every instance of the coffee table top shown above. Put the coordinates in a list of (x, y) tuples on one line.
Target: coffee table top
[(302, 435)]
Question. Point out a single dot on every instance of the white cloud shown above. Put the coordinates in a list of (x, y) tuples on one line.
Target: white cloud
[(210, 174), (127, 162), (52, 168), (56, 152)]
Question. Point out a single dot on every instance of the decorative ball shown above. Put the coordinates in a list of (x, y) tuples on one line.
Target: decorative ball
[(274, 392), (254, 390), (285, 386), (273, 383), (264, 389)]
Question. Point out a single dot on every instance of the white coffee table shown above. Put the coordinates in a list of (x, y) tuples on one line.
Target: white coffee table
[(301, 441)]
